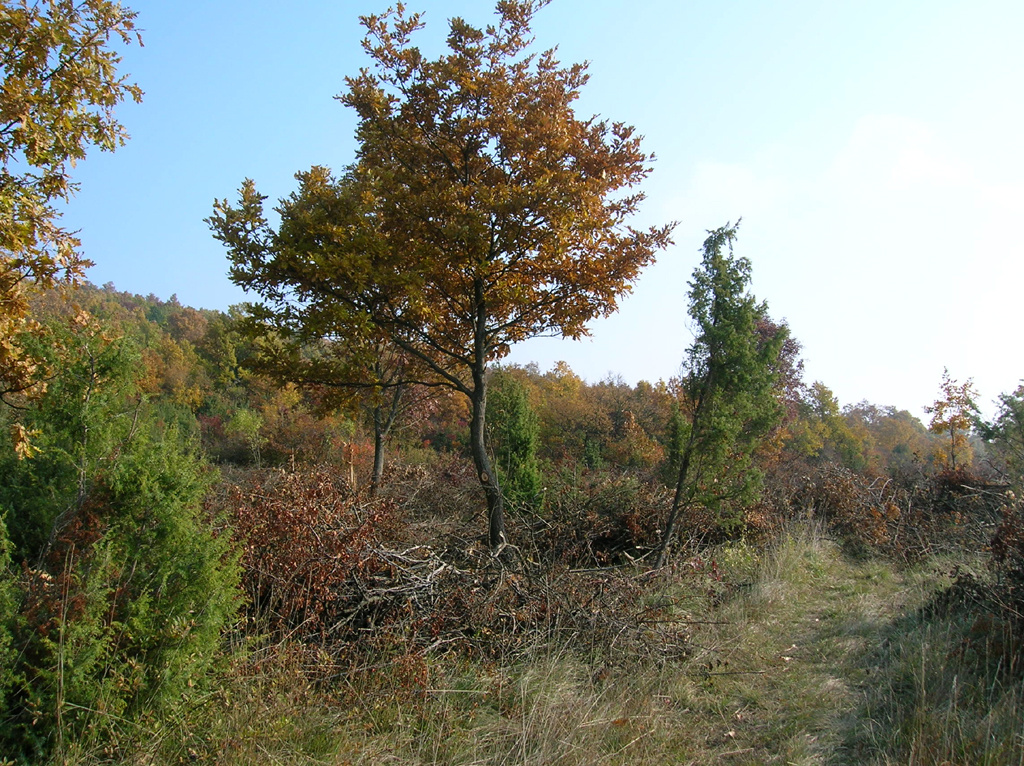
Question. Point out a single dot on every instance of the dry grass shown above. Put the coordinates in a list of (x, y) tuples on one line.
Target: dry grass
[(798, 656)]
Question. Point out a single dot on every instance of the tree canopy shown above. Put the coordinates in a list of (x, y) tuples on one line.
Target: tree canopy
[(481, 211), (953, 415), (1006, 433), (60, 88)]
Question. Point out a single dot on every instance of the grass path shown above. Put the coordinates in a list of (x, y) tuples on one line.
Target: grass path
[(795, 656), (788, 675), (830, 661)]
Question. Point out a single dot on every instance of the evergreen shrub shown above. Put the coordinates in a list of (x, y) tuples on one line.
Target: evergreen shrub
[(120, 585)]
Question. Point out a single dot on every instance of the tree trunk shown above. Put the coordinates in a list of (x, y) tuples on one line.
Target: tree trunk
[(677, 502), (696, 420), (378, 449), (383, 421), (477, 428), (484, 471)]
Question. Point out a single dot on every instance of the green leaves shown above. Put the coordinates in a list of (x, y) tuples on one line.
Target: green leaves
[(124, 587), (729, 399), (514, 430), (1006, 433)]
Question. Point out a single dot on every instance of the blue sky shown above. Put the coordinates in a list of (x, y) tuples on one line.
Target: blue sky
[(873, 150)]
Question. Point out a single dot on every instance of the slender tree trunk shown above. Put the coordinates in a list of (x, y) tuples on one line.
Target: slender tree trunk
[(677, 503), (485, 472), (378, 449), (477, 427), (684, 471), (383, 421)]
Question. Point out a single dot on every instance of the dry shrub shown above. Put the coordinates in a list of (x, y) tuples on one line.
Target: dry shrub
[(996, 603), (957, 492), (438, 495), (413, 608), (303, 537), (764, 520), (372, 603), (599, 519), (495, 617), (862, 511), (1008, 560), (768, 517), (952, 512)]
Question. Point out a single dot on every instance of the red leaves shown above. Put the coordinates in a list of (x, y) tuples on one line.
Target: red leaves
[(303, 536)]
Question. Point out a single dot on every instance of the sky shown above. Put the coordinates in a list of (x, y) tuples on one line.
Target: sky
[(873, 151)]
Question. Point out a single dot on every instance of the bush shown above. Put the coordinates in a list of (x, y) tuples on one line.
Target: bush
[(1008, 560), (125, 584), (121, 616), (597, 519), (951, 511), (513, 431), (346, 584), (303, 537), (438, 493), (863, 512), (8, 613)]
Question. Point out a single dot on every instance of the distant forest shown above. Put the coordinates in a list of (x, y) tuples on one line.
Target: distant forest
[(200, 362)]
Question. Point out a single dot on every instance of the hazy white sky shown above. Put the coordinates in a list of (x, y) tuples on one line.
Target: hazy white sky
[(873, 150)]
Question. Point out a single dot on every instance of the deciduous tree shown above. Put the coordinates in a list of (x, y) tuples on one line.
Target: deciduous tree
[(60, 88), (481, 211), (352, 366), (953, 414)]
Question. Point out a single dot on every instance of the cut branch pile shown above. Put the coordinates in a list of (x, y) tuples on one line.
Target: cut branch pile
[(321, 567)]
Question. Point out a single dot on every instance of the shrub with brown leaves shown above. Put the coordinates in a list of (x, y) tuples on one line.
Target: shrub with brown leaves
[(303, 536), (599, 519), (862, 511), (369, 601), (1008, 560)]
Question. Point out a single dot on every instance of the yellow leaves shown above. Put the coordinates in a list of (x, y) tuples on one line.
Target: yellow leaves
[(953, 415), (58, 93), (22, 439), (19, 370), (171, 368), (81, 318), (481, 211)]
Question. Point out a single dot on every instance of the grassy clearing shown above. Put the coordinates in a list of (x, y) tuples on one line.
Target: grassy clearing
[(808, 657)]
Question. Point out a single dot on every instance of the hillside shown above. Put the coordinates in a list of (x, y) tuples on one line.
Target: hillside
[(336, 525)]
